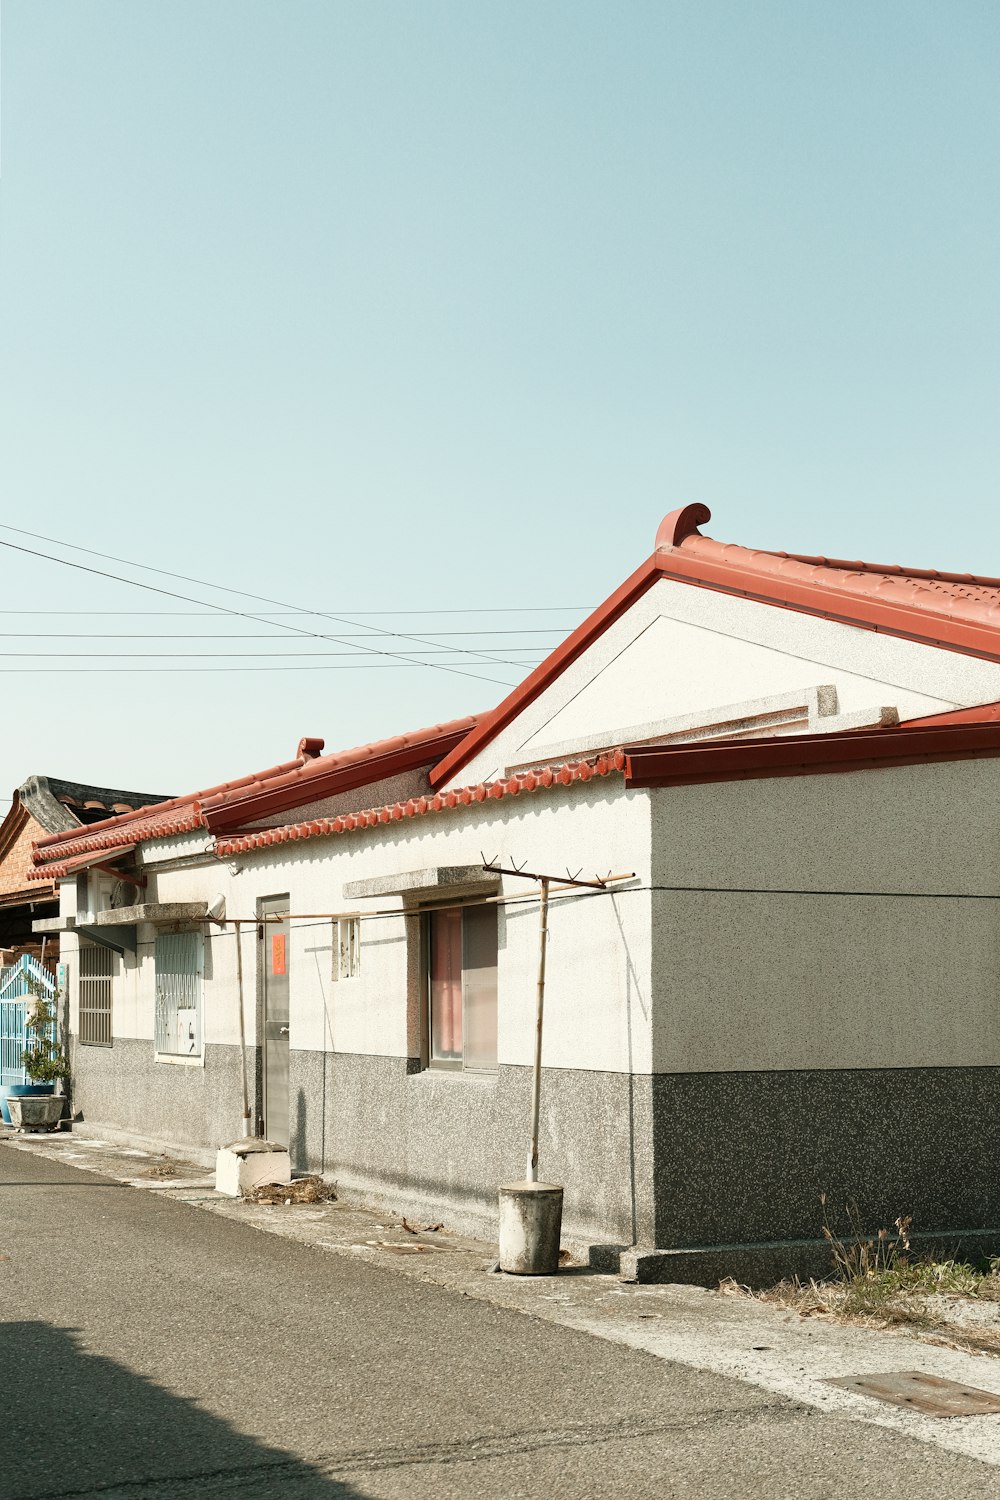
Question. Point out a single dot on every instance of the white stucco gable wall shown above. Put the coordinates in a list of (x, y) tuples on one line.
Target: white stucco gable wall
[(681, 649)]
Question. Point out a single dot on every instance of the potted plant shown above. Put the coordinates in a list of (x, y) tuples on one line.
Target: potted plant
[(45, 1063)]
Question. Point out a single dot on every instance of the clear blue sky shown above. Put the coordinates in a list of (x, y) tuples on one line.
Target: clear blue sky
[(428, 306)]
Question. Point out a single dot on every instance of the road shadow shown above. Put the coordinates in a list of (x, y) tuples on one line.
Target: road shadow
[(79, 1424)]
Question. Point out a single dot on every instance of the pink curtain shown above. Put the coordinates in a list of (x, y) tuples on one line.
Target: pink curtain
[(446, 985)]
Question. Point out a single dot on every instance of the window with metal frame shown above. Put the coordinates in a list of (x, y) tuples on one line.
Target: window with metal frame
[(179, 961), (97, 972), (462, 988)]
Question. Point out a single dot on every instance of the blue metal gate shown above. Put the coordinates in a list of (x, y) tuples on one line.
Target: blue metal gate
[(16, 1002)]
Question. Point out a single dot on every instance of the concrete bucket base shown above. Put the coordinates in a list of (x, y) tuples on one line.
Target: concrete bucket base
[(530, 1224)]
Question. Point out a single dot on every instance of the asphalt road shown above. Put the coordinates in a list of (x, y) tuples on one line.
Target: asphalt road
[(148, 1349)]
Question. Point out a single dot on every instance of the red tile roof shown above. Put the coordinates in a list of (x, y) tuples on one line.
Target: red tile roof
[(491, 791), (80, 862), (645, 767), (958, 612), (293, 783), (329, 775), (672, 765)]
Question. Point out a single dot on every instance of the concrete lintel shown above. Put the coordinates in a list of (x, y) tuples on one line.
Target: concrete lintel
[(53, 924), (766, 1263), (153, 911), (421, 882), (804, 708)]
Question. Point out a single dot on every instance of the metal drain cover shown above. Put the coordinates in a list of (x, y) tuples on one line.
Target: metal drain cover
[(928, 1394)]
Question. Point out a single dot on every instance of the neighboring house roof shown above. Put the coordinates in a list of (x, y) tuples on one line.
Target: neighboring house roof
[(958, 612), (60, 806), (47, 805), (310, 777)]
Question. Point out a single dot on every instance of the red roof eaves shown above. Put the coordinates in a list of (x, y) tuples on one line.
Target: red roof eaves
[(334, 774), (810, 754), (297, 781), (77, 862), (511, 786), (159, 810), (115, 838), (980, 713)]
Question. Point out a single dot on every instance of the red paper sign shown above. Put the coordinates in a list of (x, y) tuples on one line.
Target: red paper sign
[(278, 953)]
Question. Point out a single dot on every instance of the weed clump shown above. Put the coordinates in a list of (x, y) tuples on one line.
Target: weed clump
[(877, 1281)]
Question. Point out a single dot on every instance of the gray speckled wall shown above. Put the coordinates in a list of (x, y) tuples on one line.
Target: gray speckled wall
[(393, 1134), (123, 1088), (743, 1157)]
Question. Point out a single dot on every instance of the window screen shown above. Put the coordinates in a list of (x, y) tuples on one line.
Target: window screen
[(97, 968), (178, 994)]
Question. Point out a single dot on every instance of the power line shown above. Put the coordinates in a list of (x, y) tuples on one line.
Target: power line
[(367, 666), (201, 635), (412, 658), (238, 613), (225, 589), (382, 614)]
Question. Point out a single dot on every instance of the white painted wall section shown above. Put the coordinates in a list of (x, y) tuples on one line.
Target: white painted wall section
[(687, 650), (597, 999)]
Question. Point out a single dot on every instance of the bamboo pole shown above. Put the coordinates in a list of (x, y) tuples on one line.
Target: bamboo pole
[(536, 1081)]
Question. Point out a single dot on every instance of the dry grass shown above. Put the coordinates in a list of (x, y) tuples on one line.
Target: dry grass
[(871, 1305), (302, 1190), (167, 1167), (969, 1340), (875, 1282)]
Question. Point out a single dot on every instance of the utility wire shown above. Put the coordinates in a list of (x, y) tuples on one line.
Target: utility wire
[(412, 658), (382, 614), (366, 666), (238, 613), (225, 589), (201, 635), (531, 898)]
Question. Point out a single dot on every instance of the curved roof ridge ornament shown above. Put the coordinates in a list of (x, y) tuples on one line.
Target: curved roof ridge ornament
[(682, 523)]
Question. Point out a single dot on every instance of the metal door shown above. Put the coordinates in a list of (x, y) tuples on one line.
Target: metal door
[(273, 934), (16, 983)]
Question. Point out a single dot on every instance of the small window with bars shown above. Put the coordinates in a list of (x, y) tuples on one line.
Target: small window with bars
[(97, 972), (347, 948), (179, 968)]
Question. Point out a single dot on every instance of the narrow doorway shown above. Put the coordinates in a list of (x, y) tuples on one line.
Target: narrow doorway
[(272, 935)]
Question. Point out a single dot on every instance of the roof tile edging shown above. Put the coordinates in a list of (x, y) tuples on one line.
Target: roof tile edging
[(113, 839), (609, 763)]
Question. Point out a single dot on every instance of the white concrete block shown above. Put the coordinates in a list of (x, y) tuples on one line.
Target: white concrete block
[(238, 1170)]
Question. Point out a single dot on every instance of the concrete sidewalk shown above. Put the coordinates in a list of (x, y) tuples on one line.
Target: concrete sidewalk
[(762, 1346)]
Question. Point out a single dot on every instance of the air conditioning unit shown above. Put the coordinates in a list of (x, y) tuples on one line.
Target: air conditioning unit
[(94, 894)]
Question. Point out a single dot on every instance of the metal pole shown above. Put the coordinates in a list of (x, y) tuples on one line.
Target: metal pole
[(243, 1037), (536, 1083)]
